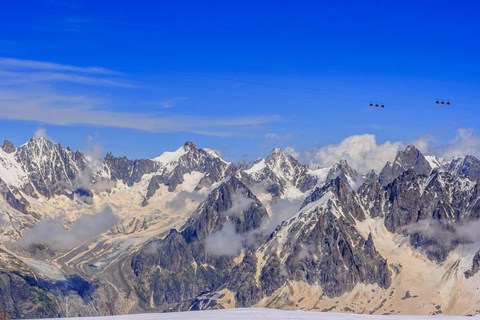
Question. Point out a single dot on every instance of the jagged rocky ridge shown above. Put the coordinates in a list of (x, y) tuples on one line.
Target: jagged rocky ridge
[(235, 248)]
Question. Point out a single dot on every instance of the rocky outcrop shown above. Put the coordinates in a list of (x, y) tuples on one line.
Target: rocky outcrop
[(128, 171), (468, 167), (277, 171), (192, 159), (410, 158), (475, 266), (52, 170), (17, 202), (8, 147)]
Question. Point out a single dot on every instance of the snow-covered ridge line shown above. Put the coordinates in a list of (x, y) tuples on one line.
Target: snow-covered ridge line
[(264, 314)]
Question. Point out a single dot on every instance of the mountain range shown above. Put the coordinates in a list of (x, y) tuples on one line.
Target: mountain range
[(86, 236)]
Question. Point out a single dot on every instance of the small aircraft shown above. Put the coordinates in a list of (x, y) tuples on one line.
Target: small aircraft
[(442, 102), (377, 105)]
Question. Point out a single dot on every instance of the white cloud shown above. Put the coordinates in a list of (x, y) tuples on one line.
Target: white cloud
[(447, 238), (423, 144), (362, 152), (240, 203), (182, 200), (41, 132), (272, 136), (51, 232), (466, 142), (21, 64), (16, 78), (225, 242), (292, 151), (166, 104)]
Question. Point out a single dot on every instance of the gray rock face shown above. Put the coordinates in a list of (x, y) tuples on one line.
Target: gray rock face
[(25, 294), (241, 280), (17, 202), (280, 168), (322, 246), (346, 173), (194, 159), (372, 195), (345, 196), (403, 195), (429, 210), (468, 167), (128, 171), (475, 266), (8, 147), (52, 169), (411, 158)]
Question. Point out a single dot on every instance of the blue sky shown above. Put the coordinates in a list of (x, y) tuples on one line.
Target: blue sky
[(238, 76)]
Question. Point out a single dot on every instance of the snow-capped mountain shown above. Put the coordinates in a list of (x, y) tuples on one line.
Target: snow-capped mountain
[(280, 175), (188, 230)]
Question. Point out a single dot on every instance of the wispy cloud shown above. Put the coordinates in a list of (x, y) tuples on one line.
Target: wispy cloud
[(16, 78), (85, 111), (166, 104), (272, 136), (20, 64), (29, 92), (17, 72)]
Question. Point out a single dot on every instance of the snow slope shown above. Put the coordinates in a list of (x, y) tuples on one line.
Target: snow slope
[(264, 314)]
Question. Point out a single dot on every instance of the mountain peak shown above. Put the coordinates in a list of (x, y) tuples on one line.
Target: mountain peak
[(282, 163), (346, 173), (410, 158), (8, 146), (276, 151), (39, 142), (189, 146), (468, 166), (278, 155)]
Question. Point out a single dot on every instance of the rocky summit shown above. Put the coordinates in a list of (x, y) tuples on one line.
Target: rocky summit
[(187, 230)]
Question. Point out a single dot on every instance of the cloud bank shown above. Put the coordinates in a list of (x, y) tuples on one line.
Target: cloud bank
[(466, 142), (52, 233), (362, 152), (225, 242)]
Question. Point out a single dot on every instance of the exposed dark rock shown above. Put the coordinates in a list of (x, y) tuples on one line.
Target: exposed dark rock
[(468, 167), (194, 159), (326, 254), (129, 171), (242, 282), (17, 202), (345, 173), (475, 266), (372, 195), (279, 169), (52, 169), (403, 195), (410, 158), (8, 147)]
